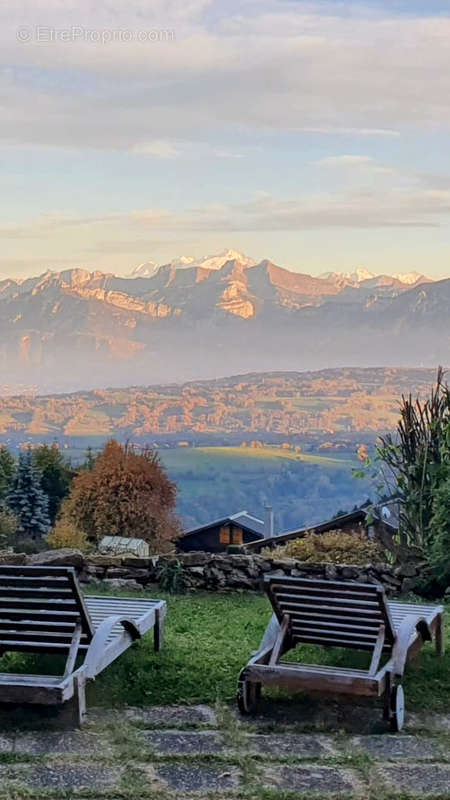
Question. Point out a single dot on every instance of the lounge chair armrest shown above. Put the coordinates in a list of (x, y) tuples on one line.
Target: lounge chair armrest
[(410, 625), (262, 654), (98, 643)]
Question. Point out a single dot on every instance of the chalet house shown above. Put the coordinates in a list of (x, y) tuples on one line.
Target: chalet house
[(384, 517), (215, 537)]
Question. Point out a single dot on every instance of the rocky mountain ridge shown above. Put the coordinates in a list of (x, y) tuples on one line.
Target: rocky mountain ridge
[(78, 328)]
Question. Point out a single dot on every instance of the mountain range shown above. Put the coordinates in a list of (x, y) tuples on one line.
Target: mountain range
[(222, 314)]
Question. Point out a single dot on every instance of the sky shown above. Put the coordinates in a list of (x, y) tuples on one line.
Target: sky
[(315, 134)]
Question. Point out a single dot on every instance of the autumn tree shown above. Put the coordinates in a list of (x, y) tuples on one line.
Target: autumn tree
[(125, 493)]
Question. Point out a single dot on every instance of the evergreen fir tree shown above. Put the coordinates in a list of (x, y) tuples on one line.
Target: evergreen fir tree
[(28, 500), (56, 474), (89, 461), (7, 472)]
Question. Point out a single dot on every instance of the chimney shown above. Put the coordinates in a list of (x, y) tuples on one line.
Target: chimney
[(268, 522)]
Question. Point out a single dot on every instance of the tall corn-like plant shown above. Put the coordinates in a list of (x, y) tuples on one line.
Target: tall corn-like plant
[(416, 458)]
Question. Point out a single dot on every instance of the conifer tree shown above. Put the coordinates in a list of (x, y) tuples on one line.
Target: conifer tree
[(28, 500), (7, 472), (56, 475)]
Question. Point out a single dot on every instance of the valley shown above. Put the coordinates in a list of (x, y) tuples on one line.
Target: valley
[(286, 438)]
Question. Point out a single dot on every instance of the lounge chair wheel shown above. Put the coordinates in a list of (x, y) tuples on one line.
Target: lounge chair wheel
[(248, 695), (397, 703)]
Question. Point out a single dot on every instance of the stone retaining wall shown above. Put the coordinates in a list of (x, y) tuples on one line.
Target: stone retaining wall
[(210, 572)]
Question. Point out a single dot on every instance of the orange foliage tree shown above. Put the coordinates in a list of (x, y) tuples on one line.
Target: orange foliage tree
[(126, 493)]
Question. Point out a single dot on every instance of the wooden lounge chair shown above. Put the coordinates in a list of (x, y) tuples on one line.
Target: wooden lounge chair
[(332, 614), (42, 610)]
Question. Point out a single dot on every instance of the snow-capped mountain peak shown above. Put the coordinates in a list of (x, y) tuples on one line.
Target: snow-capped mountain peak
[(411, 278), (146, 270), (217, 261), (358, 276), (150, 268)]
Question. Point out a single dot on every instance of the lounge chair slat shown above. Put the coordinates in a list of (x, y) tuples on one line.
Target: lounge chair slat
[(31, 626), (302, 623), (309, 618), (46, 604), (23, 581), (36, 572), (331, 600), (332, 641), (35, 594), (312, 592), (351, 586), (38, 614)]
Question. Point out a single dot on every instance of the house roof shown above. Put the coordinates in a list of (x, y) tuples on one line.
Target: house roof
[(245, 521), (388, 512), (355, 516)]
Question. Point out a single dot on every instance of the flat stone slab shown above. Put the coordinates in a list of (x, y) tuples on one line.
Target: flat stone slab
[(73, 777), (50, 743), (312, 780), (185, 777), (183, 742), (427, 722), (173, 716), (312, 714), (294, 745), (416, 748), (6, 744), (420, 780)]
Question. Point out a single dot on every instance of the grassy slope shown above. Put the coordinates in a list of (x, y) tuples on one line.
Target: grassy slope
[(197, 457)]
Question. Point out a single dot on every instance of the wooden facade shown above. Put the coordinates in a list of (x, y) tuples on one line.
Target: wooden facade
[(217, 536)]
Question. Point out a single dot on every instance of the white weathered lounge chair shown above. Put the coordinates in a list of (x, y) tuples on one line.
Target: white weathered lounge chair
[(340, 614), (42, 610)]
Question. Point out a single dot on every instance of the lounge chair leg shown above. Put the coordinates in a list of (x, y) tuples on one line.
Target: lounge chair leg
[(248, 694), (387, 699), (158, 630), (80, 700), (439, 636)]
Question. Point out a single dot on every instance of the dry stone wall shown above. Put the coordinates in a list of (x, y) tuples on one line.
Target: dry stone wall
[(210, 572)]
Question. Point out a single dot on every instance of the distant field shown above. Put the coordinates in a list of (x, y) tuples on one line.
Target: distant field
[(203, 457)]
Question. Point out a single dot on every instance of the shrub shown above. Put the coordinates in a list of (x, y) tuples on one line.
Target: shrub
[(66, 534), (171, 577), (439, 555), (332, 547), (9, 525)]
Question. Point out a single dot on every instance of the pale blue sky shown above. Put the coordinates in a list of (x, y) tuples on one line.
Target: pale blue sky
[(312, 133)]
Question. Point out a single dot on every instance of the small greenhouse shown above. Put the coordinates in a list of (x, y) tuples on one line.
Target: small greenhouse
[(121, 544)]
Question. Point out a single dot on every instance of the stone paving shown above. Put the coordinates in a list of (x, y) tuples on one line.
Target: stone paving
[(204, 752)]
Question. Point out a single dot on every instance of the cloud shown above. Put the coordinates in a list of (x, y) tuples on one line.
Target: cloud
[(353, 132), (347, 210), (358, 165), (157, 149), (261, 68), (346, 161)]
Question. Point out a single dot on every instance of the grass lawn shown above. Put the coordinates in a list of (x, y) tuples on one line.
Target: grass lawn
[(209, 637)]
